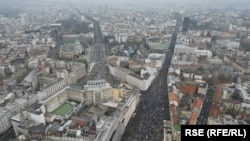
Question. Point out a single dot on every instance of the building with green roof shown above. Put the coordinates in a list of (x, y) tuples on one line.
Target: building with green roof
[(70, 50)]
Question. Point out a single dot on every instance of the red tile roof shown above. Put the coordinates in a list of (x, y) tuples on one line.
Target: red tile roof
[(189, 88), (217, 94), (215, 107), (173, 97), (174, 114), (194, 65), (193, 118), (214, 111), (134, 63), (80, 123), (197, 103)]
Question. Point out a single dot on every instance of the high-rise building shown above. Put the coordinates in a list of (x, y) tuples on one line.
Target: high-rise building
[(24, 19), (7, 28), (6, 25), (185, 24)]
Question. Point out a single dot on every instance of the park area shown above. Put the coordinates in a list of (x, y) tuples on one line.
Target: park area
[(63, 109)]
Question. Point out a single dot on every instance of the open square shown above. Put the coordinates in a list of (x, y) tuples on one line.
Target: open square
[(63, 109)]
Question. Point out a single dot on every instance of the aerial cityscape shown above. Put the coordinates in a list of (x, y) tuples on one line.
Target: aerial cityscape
[(89, 70)]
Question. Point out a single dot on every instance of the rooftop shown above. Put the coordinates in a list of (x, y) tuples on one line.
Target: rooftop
[(193, 118), (175, 118), (177, 127), (173, 97), (217, 94), (214, 111), (197, 103), (38, 129), (11, 105)]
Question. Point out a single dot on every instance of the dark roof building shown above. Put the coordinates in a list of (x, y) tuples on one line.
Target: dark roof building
[(185, 24)]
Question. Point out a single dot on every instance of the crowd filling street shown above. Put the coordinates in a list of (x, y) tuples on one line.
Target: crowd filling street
[(147, 124)]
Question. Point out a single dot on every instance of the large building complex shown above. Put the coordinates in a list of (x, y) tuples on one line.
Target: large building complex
[(65, 116), (71, 50), (98, 92), (52, 83), (10, 106), (147, 74), (49, 83)]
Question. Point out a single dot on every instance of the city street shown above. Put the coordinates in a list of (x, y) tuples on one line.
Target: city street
[(202, 119), (8, 135), (123, 70), (153, 108), (97, 55), (147, 124)]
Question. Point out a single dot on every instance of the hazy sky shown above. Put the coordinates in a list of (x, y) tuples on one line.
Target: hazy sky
[(180, 2), (164, 3), (141, 3), (167, 3)]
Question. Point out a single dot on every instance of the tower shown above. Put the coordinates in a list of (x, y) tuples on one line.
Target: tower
[(24, 19), (185, 24)]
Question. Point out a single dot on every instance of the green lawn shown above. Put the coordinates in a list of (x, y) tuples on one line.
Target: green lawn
[(63, 109), (177, 127)]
